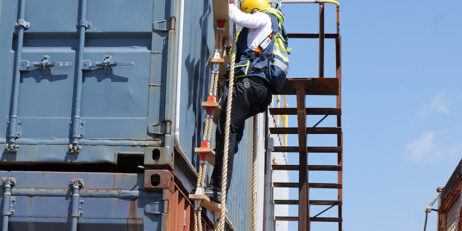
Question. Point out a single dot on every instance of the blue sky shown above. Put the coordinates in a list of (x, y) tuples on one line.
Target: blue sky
[(402, 104)]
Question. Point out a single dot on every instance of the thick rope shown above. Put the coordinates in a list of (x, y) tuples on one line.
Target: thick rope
[(224, 178), (196, 224), (207, 133)]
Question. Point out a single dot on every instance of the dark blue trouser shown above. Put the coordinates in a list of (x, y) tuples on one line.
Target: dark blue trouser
[(251, 96)]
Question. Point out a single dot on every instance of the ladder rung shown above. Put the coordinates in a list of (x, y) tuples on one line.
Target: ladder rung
[(310, 167), (311, 185), (309, 149), (312, 202), (205, 202), (216, 60), (311, 35), (326, 219), (210, 104), (309, 111), (210, 154), (321, 130)]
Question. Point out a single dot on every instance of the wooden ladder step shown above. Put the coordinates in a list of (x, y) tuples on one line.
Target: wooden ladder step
[(314, 219), (309, 111), (210, 154), (311, 185), (312, 202), (309, 149), (310, 167), (216, 60), (207, 104), (206, 202), (320, 130)]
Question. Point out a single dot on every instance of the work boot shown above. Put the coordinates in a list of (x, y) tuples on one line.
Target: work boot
[(213, 192)]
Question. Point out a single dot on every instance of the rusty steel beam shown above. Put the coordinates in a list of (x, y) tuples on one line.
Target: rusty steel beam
[(321, 40), (303, 191), (339, 124)]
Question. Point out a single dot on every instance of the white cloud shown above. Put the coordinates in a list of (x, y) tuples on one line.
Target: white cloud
[(422, 148), (438, 105), (431, 146)]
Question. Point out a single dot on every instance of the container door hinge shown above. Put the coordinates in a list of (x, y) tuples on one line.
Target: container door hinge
[(164, 25), (156, 208), (160, 128), (9, 201)]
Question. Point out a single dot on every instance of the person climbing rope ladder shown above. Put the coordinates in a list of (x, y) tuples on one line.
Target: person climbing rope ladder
[(261, 66)]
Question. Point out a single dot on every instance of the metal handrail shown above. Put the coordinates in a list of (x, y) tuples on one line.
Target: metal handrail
[(319, 2), (312, 1)]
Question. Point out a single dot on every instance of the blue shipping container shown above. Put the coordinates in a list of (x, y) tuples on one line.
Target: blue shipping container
[(92, 93)]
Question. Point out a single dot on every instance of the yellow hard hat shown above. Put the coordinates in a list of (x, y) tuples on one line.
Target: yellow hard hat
[(248, 5)]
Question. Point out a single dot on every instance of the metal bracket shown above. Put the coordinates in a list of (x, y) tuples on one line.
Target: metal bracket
[(164, 25), (160, 128), (23, 23), (197, 205), (155, 208), (9, 201), (77, 203), (75, 148), (11, 146), (85, 23), (45, 64), (107, 65), (80, 208)]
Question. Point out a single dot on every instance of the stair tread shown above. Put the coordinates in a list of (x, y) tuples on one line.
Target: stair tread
[(309, 149), (309, 111), (326, 219), (312, 202), (317, 130), (310, 167), (313, 86), (310, 185), (315, 219)]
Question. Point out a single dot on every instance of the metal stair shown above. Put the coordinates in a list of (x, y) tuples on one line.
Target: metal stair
[(303, 88)]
